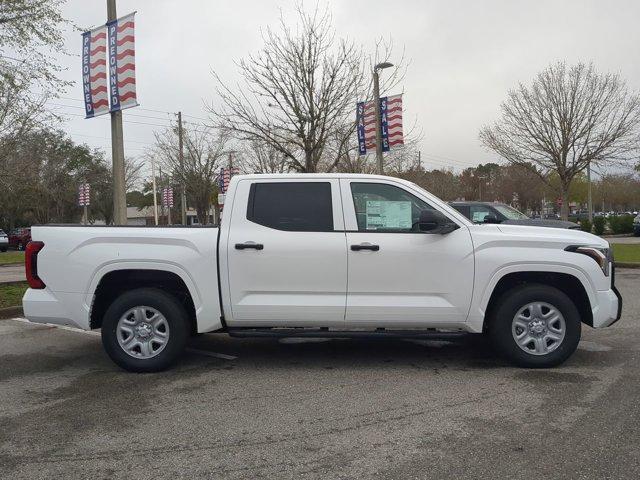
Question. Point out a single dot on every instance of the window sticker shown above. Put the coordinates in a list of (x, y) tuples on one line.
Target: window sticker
[(478, 217), (388, 215)]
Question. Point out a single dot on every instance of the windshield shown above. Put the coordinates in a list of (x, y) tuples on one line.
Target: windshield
[(510, 212)]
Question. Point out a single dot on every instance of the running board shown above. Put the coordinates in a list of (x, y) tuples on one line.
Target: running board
[(326, 333)]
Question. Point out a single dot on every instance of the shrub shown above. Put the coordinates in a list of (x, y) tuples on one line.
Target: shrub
[(598, 225), (585, 225), (621, 224)]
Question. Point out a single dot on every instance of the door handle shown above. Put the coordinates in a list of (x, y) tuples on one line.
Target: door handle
[(365, 246), (246, 245)]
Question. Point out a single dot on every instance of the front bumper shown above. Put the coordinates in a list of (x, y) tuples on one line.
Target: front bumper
[(608, 309)]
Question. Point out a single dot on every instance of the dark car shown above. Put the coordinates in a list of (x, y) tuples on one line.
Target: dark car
[(4, 241), (636, 225), (488, 212), (19, 237)]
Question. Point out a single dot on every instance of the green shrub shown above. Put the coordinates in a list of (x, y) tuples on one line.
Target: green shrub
[(598, 225), (585, 225), (621, 224)]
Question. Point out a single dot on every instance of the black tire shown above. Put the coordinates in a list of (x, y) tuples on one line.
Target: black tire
[(3, 249), (176, 318), (502, 318)]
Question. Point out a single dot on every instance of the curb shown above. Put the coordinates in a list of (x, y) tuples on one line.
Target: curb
[(4, 265), (13, 282), (11, 312), (627, 265)]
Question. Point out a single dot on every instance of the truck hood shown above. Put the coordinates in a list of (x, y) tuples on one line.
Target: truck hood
[(577, 237), (525, 234), (541, 222)]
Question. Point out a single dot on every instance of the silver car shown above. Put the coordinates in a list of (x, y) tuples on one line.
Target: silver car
[(4, 241)]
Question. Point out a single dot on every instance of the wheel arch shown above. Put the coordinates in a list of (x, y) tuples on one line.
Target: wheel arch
[(115, 281), (569, 283)]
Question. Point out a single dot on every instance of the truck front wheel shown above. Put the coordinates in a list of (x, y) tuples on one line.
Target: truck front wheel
[(145, 330), (535, 326)]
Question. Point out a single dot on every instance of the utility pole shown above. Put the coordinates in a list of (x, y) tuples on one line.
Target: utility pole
[(117, 150), (590, 204), (419, 160), (183, 197), (155, 196), (376, 104)]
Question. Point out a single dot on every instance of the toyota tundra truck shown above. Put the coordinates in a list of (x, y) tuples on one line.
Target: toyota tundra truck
[(324, 255)]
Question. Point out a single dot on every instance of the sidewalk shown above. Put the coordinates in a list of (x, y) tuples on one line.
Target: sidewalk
[(12, 273)]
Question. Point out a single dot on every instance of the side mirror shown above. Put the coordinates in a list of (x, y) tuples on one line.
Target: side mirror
[(491, 219), (432, 221)]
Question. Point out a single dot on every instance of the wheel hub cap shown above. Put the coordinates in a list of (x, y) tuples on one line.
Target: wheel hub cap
[(538, 328), (143, 332)]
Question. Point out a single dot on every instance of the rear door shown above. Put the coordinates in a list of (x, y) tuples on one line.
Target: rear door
[(287, 253), (398, 276)]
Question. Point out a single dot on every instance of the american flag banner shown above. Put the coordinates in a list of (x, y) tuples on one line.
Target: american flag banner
[(390, 124), (225, 177), (167, 197), (122, 63), (84, 195), (94, 72)]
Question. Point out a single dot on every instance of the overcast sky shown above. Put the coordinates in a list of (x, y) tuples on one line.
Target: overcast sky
[(465, 56)]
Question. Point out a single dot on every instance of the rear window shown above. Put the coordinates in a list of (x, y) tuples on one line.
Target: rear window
[(291, 206)]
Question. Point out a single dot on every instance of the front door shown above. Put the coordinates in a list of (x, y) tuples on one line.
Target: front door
[(398, 276), (287, 253)]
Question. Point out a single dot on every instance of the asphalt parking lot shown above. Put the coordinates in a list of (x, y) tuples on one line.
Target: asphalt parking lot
[(321, 409)]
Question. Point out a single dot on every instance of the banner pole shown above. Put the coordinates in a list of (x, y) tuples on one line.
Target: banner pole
[(117, 148)]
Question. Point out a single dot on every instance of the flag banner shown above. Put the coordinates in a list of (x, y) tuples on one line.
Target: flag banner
[(362, 149), (84, 195), (390, 124), (122, 63), (94, 72), (393, 121), (225, 177), (167, 197)]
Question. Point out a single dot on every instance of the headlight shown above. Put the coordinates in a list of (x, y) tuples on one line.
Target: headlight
[(602, 256)]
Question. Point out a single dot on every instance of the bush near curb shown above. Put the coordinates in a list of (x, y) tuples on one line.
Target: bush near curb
[(621, 224), (585, 225), (598, 225)]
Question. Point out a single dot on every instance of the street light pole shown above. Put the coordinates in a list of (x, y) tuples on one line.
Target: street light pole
[(589, 201), (376, 104), (117, 151)]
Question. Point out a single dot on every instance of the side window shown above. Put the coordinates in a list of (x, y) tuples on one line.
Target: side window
[(291, 206), (463, 209), (479, 212), (386, 208)]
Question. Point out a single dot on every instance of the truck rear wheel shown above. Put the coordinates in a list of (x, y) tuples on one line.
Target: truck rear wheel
[(145, 330), (535, 326)]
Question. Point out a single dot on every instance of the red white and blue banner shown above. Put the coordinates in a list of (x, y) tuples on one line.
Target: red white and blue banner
[(122, 63), (167, 197), (225, 177), (84, 195), (94, 72), (390, 124)]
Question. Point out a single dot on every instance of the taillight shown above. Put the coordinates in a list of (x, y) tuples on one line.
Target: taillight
[(31, 264)]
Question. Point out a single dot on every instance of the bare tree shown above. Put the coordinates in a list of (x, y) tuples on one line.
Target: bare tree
[(569, 117), (261, 157), (204, 150), (299, 91)]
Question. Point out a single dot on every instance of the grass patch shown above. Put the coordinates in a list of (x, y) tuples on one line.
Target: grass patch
[(11, 294), (626, 252), (9, 257)]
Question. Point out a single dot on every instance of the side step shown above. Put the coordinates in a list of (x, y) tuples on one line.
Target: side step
[(430, 334)]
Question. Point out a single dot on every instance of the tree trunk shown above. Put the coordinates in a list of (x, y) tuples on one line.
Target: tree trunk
[(564, 210)]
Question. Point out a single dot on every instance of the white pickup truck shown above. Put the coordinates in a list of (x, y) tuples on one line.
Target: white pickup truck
[(327, 255)]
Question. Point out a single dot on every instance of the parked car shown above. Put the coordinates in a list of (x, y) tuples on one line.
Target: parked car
[(636, 225), (323, 255), (19, 238), (489, 212), (4, 241)]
